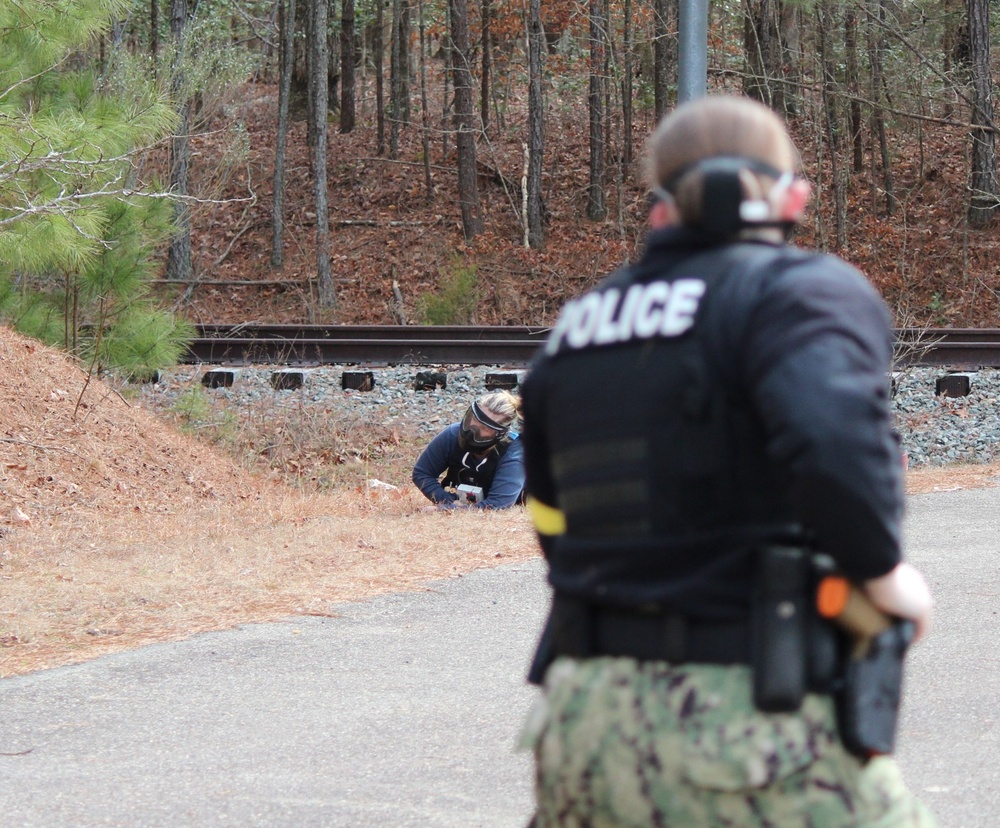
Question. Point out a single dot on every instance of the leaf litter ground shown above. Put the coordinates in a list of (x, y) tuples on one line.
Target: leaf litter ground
[(117, 530)]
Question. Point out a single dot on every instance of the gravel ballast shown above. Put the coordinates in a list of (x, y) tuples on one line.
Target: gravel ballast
[(936, 430)]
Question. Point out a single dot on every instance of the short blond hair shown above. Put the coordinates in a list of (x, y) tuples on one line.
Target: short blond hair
[(504, 404)]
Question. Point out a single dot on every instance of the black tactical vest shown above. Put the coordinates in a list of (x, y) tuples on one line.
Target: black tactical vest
[(659, 459), (465, 468)]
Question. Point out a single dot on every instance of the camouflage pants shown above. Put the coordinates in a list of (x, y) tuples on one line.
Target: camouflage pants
[(622, 743)]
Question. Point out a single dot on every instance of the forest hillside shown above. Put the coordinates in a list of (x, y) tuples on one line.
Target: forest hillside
[(385, 231), (432, 162)]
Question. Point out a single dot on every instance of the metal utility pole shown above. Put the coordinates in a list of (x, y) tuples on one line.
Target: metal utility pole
[(692, 49)]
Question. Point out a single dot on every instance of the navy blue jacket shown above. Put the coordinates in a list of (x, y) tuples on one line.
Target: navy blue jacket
[(500, 473)]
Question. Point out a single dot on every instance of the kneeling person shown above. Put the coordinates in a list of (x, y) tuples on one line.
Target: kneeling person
[(480, 457)]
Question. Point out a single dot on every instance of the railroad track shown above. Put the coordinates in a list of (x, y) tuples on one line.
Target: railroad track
[(953, 348), (365, 344)]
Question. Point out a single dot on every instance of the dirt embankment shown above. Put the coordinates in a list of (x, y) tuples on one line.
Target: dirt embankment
[(116, 530)]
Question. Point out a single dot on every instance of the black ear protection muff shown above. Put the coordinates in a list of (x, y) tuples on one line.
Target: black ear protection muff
[(721, 197), (723, 211)]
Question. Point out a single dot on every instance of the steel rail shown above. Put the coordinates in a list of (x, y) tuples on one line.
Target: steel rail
[(514, 345), (952, 348), (365, 345), (394, 332)]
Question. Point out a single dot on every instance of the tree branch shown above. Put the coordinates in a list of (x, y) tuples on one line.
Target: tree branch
[(40, 448)]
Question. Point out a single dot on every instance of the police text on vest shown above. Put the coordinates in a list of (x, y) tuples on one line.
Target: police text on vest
[(646, 311)]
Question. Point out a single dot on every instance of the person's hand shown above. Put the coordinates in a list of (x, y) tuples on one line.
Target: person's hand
[(442, 507), (903, 592)]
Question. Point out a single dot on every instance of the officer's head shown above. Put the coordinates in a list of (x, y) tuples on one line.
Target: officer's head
[(726, 166), (488, 420)]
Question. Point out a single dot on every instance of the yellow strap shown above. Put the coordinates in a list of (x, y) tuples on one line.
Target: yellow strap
[(548, 519)]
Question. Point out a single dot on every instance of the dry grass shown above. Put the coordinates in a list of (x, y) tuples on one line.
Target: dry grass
[(927, 480), (78, 589), (116, 530)]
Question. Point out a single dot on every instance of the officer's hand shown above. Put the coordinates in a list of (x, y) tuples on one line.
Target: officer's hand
[(903, 592)]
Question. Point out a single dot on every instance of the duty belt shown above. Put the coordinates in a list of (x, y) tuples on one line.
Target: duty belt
[(583, 630)]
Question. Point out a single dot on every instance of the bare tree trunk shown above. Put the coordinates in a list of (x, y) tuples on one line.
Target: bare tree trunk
[(468, 192), (484, 91), (826, 23), (768, 53), (536, 45), (983, 200), (627, 87), (310, 98), (379, 56), (662, 51), (876, 49), (596, 207), (790, 55), (332, 65), (404, 61), (286, 29), (347, 80), (854, 88), (319, 91), (449, 62), (396, 70), (179, 255), (361, 73), (762, 45), (608, 85), (425, 133)]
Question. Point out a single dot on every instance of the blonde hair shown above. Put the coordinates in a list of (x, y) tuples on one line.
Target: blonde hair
[(723, 125), (505, 405)]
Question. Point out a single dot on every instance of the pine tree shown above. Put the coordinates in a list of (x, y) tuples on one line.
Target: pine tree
[(77, 230)]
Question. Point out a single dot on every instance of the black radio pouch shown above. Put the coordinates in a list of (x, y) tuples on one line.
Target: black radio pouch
[(780, 629)]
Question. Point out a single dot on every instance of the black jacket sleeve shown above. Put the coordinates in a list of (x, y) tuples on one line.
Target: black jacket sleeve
[(816, 360)]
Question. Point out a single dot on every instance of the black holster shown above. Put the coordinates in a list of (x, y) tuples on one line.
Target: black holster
[(869, 697), (796, 651)]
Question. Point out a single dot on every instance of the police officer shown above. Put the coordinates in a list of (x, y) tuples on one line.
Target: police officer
[(481, 453), (742, 403)]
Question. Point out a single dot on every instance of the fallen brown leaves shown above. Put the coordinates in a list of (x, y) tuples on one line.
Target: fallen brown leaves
[(116, 530), (387, 227)]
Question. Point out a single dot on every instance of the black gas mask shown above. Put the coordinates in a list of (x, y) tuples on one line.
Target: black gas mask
[(478, 432)]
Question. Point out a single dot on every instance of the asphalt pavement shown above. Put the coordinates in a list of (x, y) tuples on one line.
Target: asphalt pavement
[(404, 711)]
